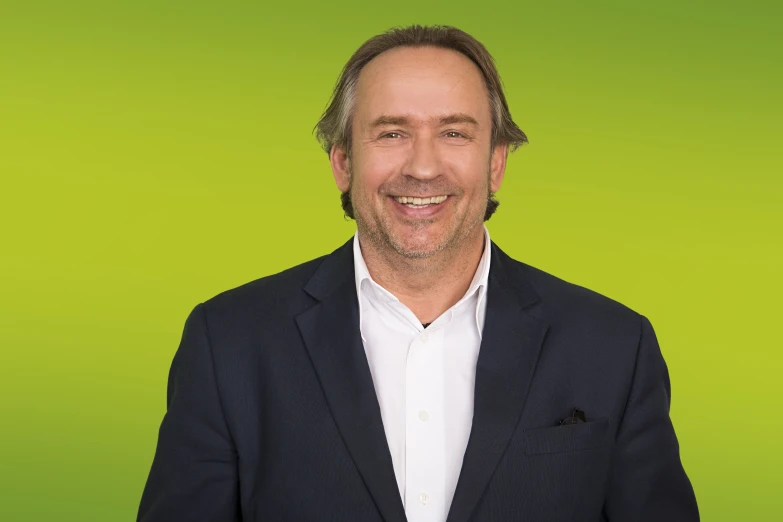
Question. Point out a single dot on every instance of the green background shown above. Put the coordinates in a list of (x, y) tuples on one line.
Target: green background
[(155, 153)]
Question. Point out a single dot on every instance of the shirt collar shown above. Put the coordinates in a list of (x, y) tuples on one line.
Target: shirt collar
[(477, 284)]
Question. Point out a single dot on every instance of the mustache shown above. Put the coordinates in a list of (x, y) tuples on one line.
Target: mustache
[(417, 188)]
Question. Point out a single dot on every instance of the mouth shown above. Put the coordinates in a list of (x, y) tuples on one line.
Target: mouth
[(417, 202)]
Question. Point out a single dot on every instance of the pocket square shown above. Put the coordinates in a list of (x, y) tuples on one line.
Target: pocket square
[(593, 433), (577, 417)]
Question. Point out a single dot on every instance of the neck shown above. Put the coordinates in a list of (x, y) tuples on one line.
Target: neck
[(427, 286)]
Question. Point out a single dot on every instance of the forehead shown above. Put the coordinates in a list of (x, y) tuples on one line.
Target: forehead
[(421, 83)]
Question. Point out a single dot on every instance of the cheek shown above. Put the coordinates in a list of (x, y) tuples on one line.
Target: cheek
[(470, 172), (370, 176)]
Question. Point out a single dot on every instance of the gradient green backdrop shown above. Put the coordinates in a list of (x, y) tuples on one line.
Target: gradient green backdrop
[(155, 153)]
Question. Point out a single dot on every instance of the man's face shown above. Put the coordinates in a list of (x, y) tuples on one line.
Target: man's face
[(421, 129)]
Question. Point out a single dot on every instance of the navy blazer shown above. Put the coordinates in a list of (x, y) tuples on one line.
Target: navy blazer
[(272, 414)]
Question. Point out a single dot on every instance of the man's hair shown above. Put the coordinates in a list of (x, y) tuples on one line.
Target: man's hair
[(334, 127)]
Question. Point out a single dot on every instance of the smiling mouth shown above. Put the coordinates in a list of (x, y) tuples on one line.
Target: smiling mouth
[(413, 202)]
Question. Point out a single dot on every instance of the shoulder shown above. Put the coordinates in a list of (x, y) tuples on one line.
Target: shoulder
[(264, 298), (574, 308)]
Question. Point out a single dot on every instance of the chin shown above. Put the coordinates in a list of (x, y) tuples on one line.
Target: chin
[(415, 253), (418, 247)]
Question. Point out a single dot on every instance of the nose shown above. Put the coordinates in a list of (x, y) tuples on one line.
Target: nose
[(424, 161)]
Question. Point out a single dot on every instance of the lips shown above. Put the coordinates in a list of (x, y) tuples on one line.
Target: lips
[(419, 202), (410, 210)]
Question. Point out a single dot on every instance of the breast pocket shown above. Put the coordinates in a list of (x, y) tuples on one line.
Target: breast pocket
[(570, 437)]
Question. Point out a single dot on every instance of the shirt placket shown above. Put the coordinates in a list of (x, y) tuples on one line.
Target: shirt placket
[(424, 429)]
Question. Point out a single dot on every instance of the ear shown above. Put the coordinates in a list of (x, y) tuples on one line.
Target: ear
[(497, 166), (340, 167)]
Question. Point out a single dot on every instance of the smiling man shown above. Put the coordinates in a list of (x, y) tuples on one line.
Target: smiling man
[(417, 373)]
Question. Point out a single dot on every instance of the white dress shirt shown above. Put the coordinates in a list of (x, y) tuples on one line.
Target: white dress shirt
[(424, 380)]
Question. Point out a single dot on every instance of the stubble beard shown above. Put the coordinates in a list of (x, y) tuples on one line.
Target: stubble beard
[(380, 233)]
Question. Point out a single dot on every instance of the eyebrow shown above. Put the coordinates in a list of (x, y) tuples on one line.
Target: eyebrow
[(404, 120), (458, 118)]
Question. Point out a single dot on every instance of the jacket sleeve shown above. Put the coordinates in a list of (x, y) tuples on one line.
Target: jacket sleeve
[(647, 482), (194, 474)]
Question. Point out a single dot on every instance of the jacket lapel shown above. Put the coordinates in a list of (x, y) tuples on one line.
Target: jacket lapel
[(330, 330), (513, 333)]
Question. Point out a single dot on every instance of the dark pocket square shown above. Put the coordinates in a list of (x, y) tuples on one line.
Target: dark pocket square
[(577, 416), (568, 437)]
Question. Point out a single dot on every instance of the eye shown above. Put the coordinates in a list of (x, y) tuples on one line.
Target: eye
[(454, 134), (391, 135)]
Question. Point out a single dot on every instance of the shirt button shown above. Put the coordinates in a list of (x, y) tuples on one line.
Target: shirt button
[(424, 337), (424, 498), (424, 415)]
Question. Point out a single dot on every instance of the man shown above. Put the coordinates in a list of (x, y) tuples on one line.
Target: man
[(417, 372)]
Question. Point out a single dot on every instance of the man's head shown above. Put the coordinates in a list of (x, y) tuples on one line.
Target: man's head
[(419, 112)]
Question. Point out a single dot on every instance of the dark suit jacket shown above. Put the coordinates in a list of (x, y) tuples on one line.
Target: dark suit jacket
[(272, 414)]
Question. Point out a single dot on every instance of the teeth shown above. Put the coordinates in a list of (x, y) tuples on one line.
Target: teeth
[(406, 200)]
